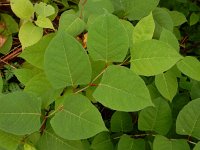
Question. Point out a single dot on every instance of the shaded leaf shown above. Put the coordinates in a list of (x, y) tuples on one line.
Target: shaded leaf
[(177, 17)]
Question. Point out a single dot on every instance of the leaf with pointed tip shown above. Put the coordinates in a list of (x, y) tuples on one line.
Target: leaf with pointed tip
[(177, 17), (121, 89), (44, 22), (44, 10)]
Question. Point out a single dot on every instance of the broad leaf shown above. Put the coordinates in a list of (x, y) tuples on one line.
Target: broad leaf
[(177, 17), (22, 8), (44, 22), (23, 75), (167, 85), (121, 89), (188, 120), (71, 24), (44, 10), (144, 29), (153, 57), (77, 116), (127, 143), (107, 39), (194, 18), (65, 62), (29, 34), (19, 113), (190, 67), (121, 122), (162, 143), (197, 146), (158, 118)]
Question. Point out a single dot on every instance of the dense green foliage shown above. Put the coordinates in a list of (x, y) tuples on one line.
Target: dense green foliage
[(100, 75)]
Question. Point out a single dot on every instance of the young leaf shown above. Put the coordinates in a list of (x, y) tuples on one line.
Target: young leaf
[(127, 143), (121, 122), (44, 22), (194, 18), (167, 85), (190, 67), (177, 17), (144, 29), (188, 120), (153, 57), (77, 116), (22, 8), (20, 113), (71, 24), (121, 89), (162, 143), (69, 64), (158, 118), (44, 10), (107, 39), (29, 34)]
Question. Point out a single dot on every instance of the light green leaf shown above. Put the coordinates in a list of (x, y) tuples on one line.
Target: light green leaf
[(20, 113), (23, 75), (153, 57), (9, 141), (162, 143), (127, 143), (158, 118), (177, 17), (121, 89), (121, 122), (168, 37), (144, 29), (77, 116), (188, 120), (50, 141), (102, 141), (35, 54), (167, 85), (29, 34), (22, 8), (71, 24), (107, 39), (44, 10), (28, 147), (190, 67), (66, 63), (197, 146), (194, 18), (44, 22)]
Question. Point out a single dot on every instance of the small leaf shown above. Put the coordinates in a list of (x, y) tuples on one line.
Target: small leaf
[(77, 116), (69, 64), (104, 42), (29, 34), (44, 10), (144, 29), (22, 8), (153, 57), (162, 143), (121, 89), (158, 118), (177, 17), (5, 48), (190, 67), (188, 120), (127, 143), (194, 18), (19, 113), (121, 122), (44, 22)]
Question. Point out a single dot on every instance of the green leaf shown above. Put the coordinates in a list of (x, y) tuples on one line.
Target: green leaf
[(153, 57), (69, 65), (102, 141), (29, 34), (7, 45), (22, 8), (23, 75), (162, 143), (44, 22), (121, 89), (194, 93), (11, 24), (1, 84), (121, 122), (19, 113), (197, 146), (167, 85), (9, 141), (71, 24), (35, 54), (190, 67), (158, 118), (144, 29), (44, 10), (188, 120), (194, 18), (168, 37), (28, 147), (77, 116), (107, 39), (50, 141), (127, 143), (177, 17)]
